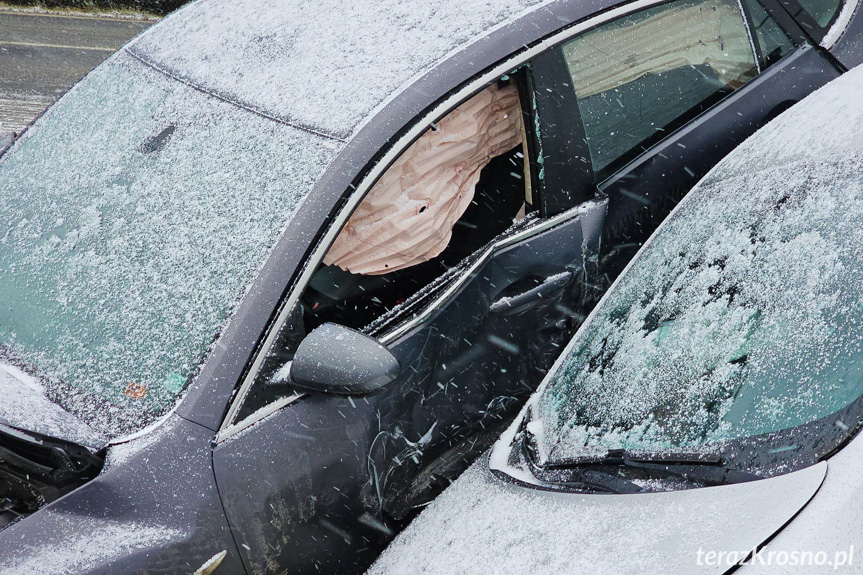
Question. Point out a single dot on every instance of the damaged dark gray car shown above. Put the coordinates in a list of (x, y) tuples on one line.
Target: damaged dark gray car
[(275, 273)]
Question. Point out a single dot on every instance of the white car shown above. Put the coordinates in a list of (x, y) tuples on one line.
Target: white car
[(704, 418)]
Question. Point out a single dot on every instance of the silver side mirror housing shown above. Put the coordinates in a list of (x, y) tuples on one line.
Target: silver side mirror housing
[(339, 360)]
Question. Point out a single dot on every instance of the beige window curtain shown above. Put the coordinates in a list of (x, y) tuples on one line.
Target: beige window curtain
[(408, 216)]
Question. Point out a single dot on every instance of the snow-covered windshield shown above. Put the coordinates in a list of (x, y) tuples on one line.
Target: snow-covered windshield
[(135, 214), (744, 314)]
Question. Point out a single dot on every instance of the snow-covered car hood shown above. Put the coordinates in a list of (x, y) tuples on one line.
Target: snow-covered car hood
[(25, 406), (484, 525)]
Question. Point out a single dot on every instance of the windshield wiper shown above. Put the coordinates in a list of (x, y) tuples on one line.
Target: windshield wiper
[(702, 467), (597, 471), (55, 461), (623, 456)]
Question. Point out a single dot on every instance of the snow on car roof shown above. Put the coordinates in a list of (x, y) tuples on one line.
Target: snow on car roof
[(323, 65)]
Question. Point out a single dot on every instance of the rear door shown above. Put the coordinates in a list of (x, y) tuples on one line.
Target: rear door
[(664, 93)]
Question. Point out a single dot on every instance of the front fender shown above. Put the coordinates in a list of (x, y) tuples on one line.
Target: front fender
[(154, 509)]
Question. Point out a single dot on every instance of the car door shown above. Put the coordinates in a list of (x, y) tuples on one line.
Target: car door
[(661, 109), (324, 481), (477, 348), (321, 482)]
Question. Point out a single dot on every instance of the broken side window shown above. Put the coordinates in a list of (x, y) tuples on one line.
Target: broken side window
[(454, 190)]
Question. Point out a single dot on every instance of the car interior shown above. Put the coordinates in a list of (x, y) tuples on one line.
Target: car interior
[(468, 173), (451, 192), (355, 300)]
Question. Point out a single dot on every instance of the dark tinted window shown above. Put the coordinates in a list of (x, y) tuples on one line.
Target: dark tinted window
[(822, 11), (641, 76), (773, 43)]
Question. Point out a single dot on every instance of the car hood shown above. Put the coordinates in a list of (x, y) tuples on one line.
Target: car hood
[(25, 406), (484, 525)]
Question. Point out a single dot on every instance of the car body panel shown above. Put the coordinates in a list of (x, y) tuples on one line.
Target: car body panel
[(485, 525), (322, 469), (832, 520), (154, 509), (468, 367)]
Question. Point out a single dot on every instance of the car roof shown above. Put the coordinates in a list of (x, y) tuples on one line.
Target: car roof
[(322, 65)]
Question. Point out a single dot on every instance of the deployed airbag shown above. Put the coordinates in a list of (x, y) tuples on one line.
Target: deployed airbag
[(408, 216)]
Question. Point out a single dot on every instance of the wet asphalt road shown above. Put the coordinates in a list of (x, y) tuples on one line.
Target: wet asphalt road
[(42, 55)]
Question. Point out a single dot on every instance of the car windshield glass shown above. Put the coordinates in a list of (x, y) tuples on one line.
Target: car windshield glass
[(742, 316), (135, 213)]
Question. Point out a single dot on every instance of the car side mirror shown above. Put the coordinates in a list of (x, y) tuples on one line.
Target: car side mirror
[(339, 360)]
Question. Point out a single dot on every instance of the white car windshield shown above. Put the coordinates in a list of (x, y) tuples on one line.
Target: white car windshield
[(135, 213), (744, 313)]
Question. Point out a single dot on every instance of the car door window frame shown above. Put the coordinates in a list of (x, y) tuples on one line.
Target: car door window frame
[(794, 36), (568, 180), (789, 24), (531, 228), (231, 427), (815, 31), (555, 61)]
